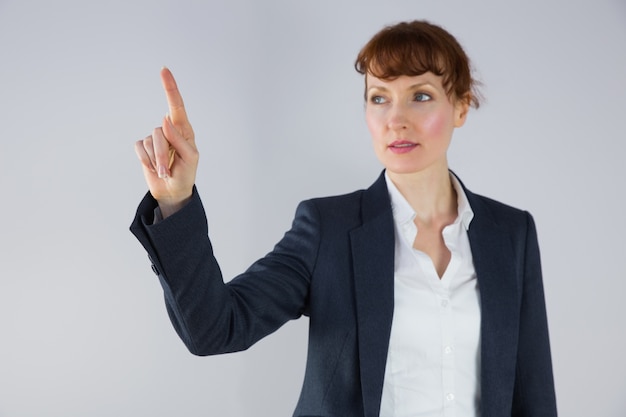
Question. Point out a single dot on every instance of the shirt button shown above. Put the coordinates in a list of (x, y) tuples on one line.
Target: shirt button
[(448, 350), (444, 303), (450, 397)]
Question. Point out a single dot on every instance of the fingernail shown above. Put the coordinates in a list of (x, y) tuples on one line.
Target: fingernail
[(162, 172)]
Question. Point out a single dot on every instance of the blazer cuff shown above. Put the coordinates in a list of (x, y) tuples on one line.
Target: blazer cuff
[(153, 232)]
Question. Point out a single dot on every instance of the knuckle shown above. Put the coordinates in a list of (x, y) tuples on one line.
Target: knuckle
[(148, 145)]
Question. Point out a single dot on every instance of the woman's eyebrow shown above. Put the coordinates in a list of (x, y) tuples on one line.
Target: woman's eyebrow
[(377, 87), (420, 85), (411, 87)]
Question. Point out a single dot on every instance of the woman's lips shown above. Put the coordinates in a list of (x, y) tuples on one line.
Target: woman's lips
[(402, 146)]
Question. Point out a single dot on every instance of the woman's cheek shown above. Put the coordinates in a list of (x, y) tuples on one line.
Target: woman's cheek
[(435, 125), (374, 121)]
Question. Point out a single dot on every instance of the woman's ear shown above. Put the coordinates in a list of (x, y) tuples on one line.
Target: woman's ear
[(461, 107)]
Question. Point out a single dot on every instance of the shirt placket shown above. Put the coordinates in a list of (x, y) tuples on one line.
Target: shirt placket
[(447, 351)]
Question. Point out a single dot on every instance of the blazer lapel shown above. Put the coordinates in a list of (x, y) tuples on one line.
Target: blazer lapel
[(373, 259), (494, 261)]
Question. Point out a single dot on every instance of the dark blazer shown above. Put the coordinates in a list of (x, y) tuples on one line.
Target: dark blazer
[(336, 265)]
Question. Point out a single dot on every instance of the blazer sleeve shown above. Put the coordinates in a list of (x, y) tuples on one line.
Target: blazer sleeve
[(212, 317), (534, 393)]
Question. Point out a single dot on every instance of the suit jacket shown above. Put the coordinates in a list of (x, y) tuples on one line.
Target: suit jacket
[(336, 265)]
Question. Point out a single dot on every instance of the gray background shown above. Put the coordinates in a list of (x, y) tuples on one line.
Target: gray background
[(278, 113)]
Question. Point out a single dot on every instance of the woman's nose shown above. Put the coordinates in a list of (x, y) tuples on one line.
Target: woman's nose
[(398, 119)]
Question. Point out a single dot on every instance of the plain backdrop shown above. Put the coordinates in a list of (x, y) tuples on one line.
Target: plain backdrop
[(278, 112)]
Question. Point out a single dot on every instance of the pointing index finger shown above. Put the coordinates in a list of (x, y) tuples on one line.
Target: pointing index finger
[(177, 111)]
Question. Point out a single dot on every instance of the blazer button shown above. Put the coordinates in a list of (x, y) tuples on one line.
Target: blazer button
[(154, 269)]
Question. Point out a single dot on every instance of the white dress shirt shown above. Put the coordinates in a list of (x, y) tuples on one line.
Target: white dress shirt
[(433, 362)]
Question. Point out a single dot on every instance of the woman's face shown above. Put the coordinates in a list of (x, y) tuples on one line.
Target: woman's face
[(411, 120)]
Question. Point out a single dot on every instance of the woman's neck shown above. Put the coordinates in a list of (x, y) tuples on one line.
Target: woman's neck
[(430, 193)]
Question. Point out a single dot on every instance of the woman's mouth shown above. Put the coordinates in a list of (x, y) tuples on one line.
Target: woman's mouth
[(402, 146)]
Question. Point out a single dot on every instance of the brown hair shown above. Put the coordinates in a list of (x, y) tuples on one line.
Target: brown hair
[(413, 48)]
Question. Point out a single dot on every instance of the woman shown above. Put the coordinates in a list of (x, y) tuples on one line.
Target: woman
[(424, 298)]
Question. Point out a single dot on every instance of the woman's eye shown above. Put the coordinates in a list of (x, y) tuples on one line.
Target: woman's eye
[(377, 99), (422, 97)]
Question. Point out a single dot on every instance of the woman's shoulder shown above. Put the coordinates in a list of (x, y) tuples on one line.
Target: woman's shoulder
[(493, 204), (487, 206), (347, 204), (351, 199), (500, 213)]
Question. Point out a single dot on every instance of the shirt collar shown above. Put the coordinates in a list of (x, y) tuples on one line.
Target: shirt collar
[(404, 213)]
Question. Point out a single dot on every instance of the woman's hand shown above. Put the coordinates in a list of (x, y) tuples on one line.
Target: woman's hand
[(169, 156)]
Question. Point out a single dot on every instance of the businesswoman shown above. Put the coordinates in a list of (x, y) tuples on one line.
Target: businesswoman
[(424, 298)]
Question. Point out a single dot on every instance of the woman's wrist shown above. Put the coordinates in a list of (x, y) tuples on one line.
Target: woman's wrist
[(169, 207)]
